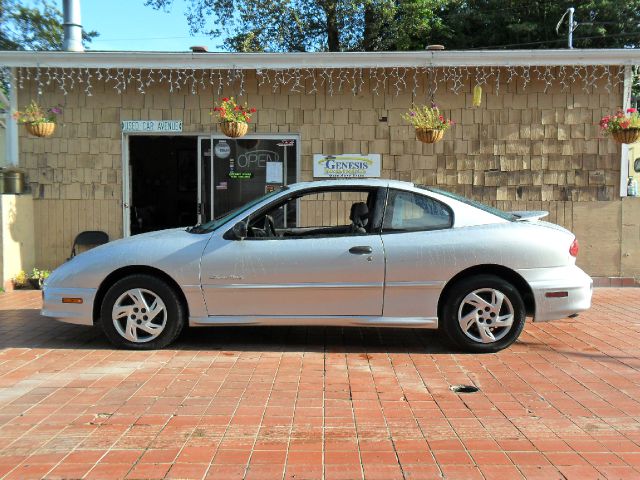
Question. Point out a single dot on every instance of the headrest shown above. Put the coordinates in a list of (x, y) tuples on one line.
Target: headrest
[(359, 211)]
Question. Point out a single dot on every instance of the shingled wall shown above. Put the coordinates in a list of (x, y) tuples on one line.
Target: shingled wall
[(523, 148)]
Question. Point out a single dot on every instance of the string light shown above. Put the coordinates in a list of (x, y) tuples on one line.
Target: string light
[(309, 81)]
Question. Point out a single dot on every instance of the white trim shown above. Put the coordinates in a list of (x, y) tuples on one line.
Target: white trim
[(624, 154), (252, 61)]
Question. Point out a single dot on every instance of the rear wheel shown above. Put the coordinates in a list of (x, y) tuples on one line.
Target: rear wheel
[(141, 312), (483, 313)]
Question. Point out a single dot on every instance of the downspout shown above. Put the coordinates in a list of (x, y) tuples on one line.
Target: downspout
[(626, 103), (11, 126), (72, 26)]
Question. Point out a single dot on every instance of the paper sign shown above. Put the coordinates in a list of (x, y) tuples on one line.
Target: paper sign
[(274, 172)]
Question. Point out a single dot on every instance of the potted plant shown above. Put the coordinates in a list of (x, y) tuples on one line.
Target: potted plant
[(20, 280), (233, 118), (38, 121), (429, 123), (37, 278), (623, 127)]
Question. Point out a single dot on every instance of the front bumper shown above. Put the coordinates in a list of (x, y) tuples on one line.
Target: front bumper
[(572, 280), (78, 313)]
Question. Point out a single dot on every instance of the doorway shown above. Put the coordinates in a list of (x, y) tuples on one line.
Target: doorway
[(163, 175), (179, 180)]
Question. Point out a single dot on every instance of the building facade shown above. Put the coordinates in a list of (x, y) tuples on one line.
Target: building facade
[(532, 144)]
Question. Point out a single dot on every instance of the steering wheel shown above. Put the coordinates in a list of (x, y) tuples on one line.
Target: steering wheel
[(269, 226)]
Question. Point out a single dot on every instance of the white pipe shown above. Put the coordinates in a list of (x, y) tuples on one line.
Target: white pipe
[(72, 26), (11, 139), (570, 37), (624, 154)]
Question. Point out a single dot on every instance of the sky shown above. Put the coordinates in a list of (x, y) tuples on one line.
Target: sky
[(129, 25)]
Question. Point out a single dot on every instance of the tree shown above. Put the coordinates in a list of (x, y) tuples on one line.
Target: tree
[(33, 28), (307, 25), (518, 24)]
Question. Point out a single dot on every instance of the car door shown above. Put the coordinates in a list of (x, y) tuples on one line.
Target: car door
[(315, 276), (418, 242)]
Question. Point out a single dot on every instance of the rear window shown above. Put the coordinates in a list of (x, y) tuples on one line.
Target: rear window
[(473, 203)]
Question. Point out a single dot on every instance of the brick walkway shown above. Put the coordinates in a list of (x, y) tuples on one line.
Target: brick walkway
[(312, 403)]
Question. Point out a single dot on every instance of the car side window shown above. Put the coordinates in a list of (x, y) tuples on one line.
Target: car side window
[(319, 213), (412, 212)]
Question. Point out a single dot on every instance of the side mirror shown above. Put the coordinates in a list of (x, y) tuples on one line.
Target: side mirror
[(240, 230)]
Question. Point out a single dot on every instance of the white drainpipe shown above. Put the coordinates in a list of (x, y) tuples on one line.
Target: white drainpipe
[(11, 126), (72, 26)]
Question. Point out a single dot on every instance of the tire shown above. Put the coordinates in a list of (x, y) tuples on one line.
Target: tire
[(475, 302), (129, 318)]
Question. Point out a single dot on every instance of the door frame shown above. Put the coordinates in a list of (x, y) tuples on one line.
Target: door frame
[(258, 136), (126, 174)]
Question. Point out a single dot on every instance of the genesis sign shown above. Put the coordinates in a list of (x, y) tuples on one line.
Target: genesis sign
[(347, 165)]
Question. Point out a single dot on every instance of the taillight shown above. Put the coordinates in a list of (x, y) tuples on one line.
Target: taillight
[(573, 249)]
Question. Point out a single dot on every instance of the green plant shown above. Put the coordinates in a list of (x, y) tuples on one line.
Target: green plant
[(35, 114), (620, 121), (427, 117), (20, 280), (230, 111)]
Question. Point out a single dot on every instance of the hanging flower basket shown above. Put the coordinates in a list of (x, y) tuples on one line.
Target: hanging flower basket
[(233, 117), (429, 123), (624, 127), (234, 129), (629, 135), (45, 129), (429, 135)]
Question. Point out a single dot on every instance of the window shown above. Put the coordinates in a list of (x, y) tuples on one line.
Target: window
[(319, 213), (411, 212)]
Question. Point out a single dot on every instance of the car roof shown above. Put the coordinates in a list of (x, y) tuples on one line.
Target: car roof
[(352, 182)]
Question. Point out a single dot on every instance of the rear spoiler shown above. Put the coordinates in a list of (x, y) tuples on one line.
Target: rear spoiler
[(529, 214)]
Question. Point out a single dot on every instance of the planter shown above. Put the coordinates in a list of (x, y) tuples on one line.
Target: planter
[(629, 135), (234, 129), (429, 135), (35, 283), (41, 129)]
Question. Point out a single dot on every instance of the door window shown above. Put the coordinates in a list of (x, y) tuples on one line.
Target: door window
[(319, 213), (412, 212)]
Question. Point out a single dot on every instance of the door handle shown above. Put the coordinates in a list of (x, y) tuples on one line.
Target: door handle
[(361, 250)]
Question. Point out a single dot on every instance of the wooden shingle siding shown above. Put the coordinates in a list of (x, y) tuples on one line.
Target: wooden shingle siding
[(521, 149)]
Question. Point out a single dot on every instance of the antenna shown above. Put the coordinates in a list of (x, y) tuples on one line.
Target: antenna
[(572, 25)]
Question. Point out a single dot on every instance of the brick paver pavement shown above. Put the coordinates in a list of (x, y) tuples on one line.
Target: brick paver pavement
[(311, 403)]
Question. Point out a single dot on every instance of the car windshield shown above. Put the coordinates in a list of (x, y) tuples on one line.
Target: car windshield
[(217, 222), (494, 211)]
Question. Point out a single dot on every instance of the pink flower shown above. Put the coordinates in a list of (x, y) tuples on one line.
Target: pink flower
[(631, 110)]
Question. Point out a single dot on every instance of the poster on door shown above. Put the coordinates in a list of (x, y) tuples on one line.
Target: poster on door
[(350, 165)]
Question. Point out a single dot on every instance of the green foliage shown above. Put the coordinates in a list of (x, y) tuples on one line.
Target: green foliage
[(342, 25), (518, 24), (427, 117), (35, 114), (32, 28)]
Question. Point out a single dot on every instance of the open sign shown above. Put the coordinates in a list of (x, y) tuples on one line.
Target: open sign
[(257, 159)]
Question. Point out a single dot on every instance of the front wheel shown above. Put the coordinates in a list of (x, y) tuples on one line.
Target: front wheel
[(141, 312), (483, 314)]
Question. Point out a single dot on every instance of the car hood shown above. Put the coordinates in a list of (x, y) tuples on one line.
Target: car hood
[(175, 251)]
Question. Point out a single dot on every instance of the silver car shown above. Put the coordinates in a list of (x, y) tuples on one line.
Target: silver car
[(379, 253)]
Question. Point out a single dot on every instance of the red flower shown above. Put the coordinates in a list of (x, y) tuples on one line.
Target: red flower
[(253, 110), (225, 99), (625, 124), (236, 108), (631, 110)]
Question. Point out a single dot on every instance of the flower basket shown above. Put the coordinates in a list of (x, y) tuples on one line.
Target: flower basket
[(429, 135), (45, 129), (234, 129), (627, 135)]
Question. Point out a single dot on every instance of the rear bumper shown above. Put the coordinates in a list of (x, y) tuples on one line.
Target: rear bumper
[(78, 313), (572, 280)]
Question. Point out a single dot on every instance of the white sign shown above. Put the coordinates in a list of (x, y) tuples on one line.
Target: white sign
[(151, 126), (274, 172), (223, 150), (347, 165)]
